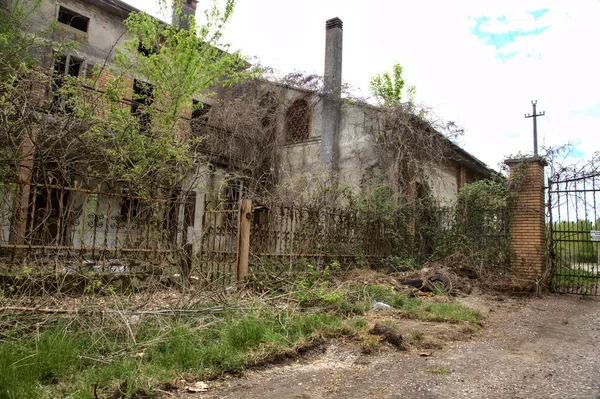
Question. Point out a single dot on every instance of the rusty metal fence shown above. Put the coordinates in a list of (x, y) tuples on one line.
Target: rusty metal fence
[(42, 223), (287, 233)]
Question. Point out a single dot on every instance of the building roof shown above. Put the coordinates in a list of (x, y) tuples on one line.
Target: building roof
[(114, 7)]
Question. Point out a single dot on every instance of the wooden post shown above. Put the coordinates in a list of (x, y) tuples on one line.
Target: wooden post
[(243, 238), (21, 201)]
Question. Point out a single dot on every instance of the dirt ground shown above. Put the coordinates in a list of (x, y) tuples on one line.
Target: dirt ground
[(530, 348)]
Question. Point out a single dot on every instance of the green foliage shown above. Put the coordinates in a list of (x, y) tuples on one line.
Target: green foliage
[(14, 43), (388, 88), (100, 137), (477, 226), (573, 241), (486, 194), (402, 264), (313, 289)]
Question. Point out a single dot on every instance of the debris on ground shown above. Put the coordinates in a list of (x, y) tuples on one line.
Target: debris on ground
[(381, 305), (388, 334), (199, 386)]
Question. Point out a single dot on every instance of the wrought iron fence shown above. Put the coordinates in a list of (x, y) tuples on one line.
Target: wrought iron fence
[(44, 222), (480, 232), (219, 246), (287, 233), (573, 231)]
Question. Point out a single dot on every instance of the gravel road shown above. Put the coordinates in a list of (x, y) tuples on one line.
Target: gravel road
[(531, 348)]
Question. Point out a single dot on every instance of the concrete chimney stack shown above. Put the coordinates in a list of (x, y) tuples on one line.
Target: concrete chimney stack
[(188, 9), (332, 102)]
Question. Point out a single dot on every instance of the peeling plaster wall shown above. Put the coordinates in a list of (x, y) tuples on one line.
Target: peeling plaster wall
[(443, 184), (105, 31), (357, 155), (358, 159)]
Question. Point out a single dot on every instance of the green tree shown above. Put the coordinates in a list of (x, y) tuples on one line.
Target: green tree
[(92, 135), (388, 88)]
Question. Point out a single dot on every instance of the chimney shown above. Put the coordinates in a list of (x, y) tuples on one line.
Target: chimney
[(187, 9), (332, 102)]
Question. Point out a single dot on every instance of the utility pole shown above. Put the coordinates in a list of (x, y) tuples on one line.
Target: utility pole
[(534, 116)]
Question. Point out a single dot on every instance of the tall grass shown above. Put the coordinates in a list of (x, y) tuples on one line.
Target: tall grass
[(69, 359)]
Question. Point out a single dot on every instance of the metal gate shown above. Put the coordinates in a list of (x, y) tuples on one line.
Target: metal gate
[(574, 231)]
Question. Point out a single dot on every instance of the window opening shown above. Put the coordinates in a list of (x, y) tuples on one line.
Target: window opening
[(64, 65), (297, 121), (73, 19), (143, 97)]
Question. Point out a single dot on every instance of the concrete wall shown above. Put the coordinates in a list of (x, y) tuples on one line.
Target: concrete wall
[(443, 183), (300, 162), (105, 31)]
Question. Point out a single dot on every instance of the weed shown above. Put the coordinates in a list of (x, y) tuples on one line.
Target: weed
[(313, 289), (438, 370), (470, 329), (450, 312), (416, 335), (358, 324)]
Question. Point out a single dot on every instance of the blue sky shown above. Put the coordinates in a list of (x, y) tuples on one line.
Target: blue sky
[(477, 62)]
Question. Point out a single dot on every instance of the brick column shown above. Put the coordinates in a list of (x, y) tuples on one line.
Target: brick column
[(527, 216)]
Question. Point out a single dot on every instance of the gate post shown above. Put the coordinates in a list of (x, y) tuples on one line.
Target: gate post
[(527, 217), (243, 248)]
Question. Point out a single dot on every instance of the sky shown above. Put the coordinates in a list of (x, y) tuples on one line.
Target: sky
[(477, 62)]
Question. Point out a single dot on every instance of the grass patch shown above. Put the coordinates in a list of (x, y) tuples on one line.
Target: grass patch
[(449, 312), (68, 359), (362, 297)]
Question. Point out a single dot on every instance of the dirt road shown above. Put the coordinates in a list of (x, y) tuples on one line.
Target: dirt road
[(533, 348)]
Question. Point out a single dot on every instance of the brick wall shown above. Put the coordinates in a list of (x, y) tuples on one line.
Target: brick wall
[(528, 214)]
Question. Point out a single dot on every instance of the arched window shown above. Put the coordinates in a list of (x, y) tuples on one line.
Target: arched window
[(297, 121)]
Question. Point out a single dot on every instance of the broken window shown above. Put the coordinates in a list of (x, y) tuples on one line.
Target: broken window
[(73, 19), (64, 65), (199, 117), (143, 97), (297, 121), (147, 50)]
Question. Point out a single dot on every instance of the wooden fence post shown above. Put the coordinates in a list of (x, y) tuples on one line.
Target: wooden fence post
[(243, 248)]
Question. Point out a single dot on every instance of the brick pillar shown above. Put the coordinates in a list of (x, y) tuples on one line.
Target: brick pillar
[(527, 216)]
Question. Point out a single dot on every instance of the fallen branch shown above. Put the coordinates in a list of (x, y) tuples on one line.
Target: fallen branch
[(158, 312)]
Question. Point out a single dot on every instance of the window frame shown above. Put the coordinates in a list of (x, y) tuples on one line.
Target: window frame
[(62, 10), (293, 140)]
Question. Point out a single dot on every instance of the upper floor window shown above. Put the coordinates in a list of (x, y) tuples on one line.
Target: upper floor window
[(143, 97), (64, 65), (199, 116), (73, 19), (297, 121), (68, 65)]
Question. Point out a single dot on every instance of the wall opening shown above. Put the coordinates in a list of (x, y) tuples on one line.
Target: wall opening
[(73, 19), (297, 121), (143, 97)]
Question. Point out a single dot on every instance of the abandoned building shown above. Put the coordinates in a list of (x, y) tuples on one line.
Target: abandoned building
[(320, 134)]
